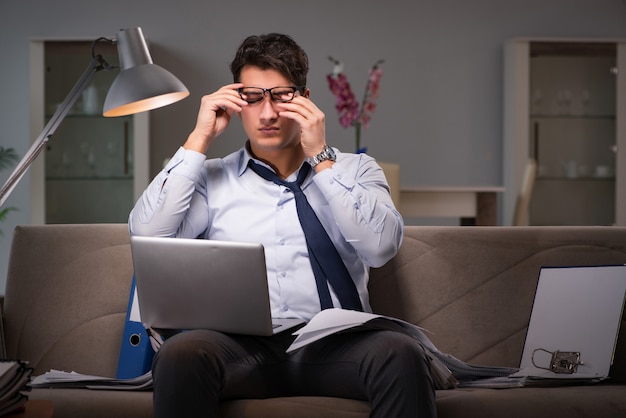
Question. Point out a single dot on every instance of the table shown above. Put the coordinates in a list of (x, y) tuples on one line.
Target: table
[(474, 205)]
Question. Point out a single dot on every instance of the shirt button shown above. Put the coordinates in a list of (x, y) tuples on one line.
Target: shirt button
[(281, 242)]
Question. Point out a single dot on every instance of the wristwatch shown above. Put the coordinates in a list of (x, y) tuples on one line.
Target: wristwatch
[(327, 154)]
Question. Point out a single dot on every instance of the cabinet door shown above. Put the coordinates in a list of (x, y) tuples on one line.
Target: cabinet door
[(573, 137), (561, 101), (94, 167), (89, 176)]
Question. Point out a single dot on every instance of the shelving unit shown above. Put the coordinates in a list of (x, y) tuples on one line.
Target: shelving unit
[(561, 109), (95, 167)]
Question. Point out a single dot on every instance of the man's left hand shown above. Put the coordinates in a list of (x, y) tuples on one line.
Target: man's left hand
[(312, 123)]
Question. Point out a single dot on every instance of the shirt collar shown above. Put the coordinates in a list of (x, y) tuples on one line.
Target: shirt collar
[(247, 156)]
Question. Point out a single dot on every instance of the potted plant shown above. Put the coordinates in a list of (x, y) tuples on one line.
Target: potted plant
[(351, 112)]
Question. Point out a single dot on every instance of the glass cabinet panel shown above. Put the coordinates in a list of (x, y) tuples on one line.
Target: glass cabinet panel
[(572, 129), (564, 102), (89, 176)]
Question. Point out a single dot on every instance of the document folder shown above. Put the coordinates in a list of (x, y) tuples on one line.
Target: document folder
[(136, 352)]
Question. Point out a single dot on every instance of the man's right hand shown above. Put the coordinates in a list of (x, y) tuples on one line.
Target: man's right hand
[(215, 112)]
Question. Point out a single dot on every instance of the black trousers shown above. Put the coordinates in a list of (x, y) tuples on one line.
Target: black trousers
[(193, 370)]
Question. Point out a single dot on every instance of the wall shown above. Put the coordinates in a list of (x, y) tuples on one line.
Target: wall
[(440, 110)]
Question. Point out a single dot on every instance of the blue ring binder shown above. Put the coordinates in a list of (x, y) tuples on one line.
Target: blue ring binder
[(136, 352)]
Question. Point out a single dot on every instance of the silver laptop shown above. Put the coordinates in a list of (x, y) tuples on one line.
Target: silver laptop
[(187, 284), (574, 322)]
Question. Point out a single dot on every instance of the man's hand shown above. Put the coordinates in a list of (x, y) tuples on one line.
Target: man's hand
[(215, 112), (312, 123)]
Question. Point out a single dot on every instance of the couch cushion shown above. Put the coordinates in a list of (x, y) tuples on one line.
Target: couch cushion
[(66, 296), (85, 403), (567, 402), (474, 287), (554, 402)]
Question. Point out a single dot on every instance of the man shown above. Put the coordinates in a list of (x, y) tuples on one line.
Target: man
[(233, 199)]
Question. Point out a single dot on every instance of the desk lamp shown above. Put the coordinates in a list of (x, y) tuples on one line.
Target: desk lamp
[(141, 85)]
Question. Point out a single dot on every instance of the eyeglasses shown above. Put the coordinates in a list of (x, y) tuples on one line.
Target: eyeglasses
[(280, 94)]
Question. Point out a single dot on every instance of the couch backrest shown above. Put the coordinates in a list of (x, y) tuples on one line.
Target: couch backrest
[(68, 286), (67, 295), (473, 287)]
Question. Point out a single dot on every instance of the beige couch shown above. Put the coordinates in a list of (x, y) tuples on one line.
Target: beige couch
[(68, 288)]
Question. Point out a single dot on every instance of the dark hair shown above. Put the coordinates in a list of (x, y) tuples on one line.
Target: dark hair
[(272, 51)]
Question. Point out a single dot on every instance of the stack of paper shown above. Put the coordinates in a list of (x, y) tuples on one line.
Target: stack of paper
[(514, 381), (14, 376), (446, 370), (58, 378)]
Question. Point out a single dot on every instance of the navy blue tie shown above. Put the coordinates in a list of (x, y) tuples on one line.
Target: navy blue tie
[(327, 265)]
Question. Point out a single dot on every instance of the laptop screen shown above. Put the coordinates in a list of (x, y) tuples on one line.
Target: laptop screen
[(574, 322)]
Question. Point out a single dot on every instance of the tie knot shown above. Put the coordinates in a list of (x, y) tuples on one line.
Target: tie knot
[(269, 175)]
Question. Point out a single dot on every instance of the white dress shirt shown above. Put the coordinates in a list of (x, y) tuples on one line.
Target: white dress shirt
[(224, 200)]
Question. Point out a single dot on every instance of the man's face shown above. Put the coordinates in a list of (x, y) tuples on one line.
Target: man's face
[(265, 129)]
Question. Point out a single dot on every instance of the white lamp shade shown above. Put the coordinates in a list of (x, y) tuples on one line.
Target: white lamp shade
[(141, 85), (142, 88)]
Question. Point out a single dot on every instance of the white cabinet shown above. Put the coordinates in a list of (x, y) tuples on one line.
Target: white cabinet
[(563, 107), (94, 167)]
